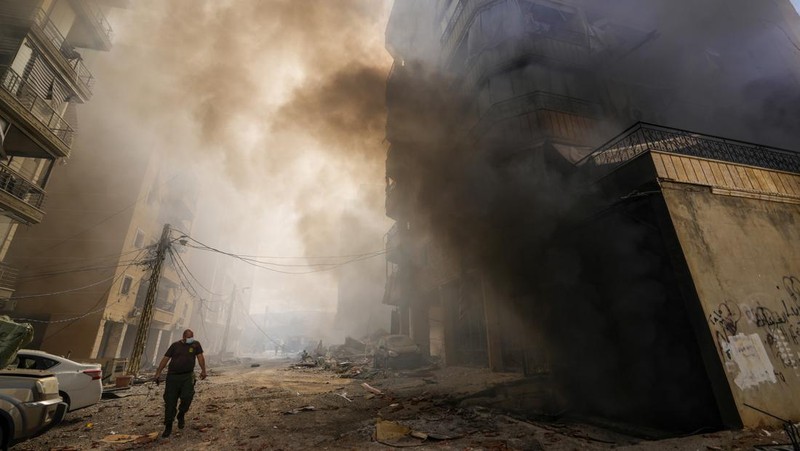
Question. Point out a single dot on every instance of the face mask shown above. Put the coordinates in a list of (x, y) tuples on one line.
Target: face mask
[(189, 341)]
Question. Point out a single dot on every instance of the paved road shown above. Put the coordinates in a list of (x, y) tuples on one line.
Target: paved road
[(244, 408)]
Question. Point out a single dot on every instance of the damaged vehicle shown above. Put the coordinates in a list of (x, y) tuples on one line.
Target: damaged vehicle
[(397, 352), (80, 385), (29, 405)]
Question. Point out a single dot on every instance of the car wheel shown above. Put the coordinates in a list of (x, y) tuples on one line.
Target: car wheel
[(5, 434), (65, 398)]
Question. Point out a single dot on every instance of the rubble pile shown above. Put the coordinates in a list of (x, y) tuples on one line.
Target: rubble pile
[(353, 359)]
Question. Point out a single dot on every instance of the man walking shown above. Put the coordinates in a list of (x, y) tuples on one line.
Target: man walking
[(181, 356)]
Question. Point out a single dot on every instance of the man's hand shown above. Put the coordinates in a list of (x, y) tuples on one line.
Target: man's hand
[(203, 374), (157, 378)]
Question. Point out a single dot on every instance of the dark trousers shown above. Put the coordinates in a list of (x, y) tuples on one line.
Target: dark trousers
[(178, 386)]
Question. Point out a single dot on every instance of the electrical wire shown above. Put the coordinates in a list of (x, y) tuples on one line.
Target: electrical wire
[(289, 265), (114, 256), (109, 217), (91, 311), (72, 290), (76, 270), (267, 265), (282, 257), (256, 324), (187, 285), (186, 267)]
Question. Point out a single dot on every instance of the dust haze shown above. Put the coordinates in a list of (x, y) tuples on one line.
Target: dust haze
[(276, 109)]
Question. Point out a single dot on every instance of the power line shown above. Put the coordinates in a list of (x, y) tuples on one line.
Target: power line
[(288, 265), (266, 265), (109, 217), (186, 267), (187, 285), (256, 324), (114, 256), (72, 290), (76, 270), (92, 310), (282, 257)]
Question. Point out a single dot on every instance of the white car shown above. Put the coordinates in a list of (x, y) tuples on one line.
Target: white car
[(80, 385)]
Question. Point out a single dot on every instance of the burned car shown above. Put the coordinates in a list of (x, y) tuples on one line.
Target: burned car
[(397, 351)]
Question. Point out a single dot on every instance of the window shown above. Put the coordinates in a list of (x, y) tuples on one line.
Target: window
[(138, 240), (29, 362), (126, 285)]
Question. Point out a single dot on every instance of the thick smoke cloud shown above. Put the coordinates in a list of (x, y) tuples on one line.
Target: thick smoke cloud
[(592, 276), (275, 106)]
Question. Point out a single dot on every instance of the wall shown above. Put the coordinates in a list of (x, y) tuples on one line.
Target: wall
[(744, 259)]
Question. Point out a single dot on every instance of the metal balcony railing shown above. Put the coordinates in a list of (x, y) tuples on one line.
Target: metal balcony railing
[(99, 19), (534, 101), (564, 47), (18, 87), (73, 58), (8, 277), (18, 186), (643, 137), (462, 17)]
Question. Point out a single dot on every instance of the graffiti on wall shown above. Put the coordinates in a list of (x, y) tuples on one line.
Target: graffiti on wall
[(773, 347)]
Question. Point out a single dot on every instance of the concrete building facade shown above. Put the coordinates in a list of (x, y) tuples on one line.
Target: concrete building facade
[(85, 270), (495, 258), (43, 77)]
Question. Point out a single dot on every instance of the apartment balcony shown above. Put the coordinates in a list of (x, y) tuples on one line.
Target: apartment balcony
[(395, 242), (8, 279), (401, 159), (396, 202), (63, 55), (163, 316), (459, 22), (33, 115), (562, 118), (20, 198), (91, 30), (559, 48)]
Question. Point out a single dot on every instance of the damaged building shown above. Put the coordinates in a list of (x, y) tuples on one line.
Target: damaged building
[(85, 270), (43, 78), (645, 274)]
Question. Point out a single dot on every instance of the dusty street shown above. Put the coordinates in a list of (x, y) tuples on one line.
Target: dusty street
[(274, 406)]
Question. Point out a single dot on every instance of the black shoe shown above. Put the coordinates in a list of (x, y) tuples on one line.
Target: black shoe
[(167, 430), (181, 422)]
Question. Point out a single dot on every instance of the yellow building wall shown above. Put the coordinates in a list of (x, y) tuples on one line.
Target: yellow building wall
[(739, 230)]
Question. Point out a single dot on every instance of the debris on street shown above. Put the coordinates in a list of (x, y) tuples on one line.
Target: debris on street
[(234, 410), (126, 438), (300, 409)]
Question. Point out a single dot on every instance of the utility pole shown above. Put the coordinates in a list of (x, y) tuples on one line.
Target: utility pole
[(228, 323), (149, 303)]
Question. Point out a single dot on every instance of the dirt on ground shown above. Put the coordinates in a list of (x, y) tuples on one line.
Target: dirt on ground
[(272, 404)]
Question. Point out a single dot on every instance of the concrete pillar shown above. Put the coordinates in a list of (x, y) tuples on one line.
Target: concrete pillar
[(150, 349), (420, 326), (157, 351), (170, 338), (494, 342), (404, 320), (98, 339), (122, 332)]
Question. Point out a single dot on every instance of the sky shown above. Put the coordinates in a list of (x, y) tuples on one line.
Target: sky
[(277, 106)]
